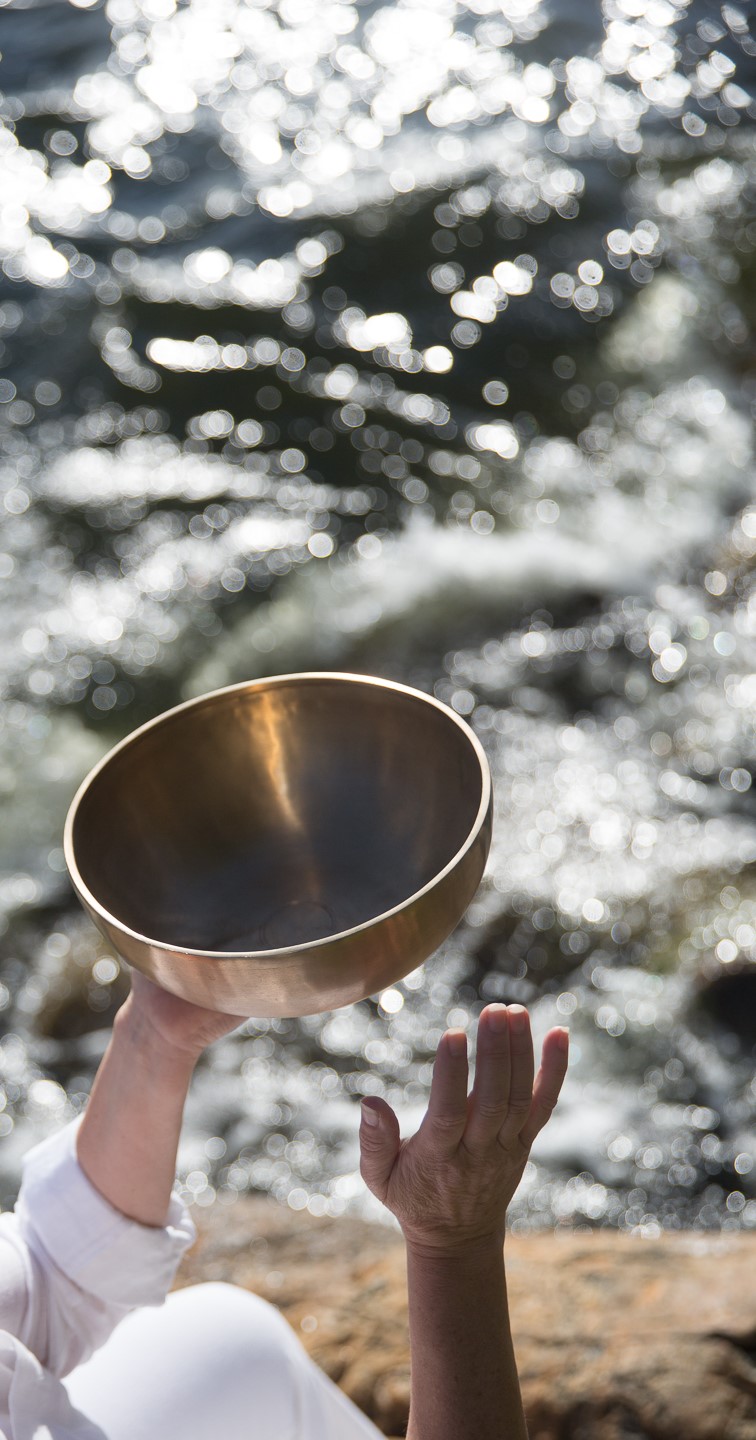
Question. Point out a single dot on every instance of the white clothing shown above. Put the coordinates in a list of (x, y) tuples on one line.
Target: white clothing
[(215, 1364), (216, 1361)]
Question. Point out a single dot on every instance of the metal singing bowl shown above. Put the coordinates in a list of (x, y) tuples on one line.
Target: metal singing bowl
[(284, 846)]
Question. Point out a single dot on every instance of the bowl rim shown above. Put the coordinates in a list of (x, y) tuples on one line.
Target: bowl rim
[(247, 686)]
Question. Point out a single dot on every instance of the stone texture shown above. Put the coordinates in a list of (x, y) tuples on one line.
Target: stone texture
[(617, 1338)]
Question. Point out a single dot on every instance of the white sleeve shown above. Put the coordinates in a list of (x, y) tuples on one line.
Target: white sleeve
[(71, 1266)]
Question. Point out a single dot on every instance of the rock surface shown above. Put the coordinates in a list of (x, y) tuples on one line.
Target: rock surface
[(617, 1338)]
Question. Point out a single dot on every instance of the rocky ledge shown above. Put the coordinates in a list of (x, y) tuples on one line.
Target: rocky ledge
[(617, 1338)]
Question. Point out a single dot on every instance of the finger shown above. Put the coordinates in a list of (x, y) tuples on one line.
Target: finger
[(444, 1122), (379, 1144), (548, 1083), (521, 1072), (488, 1106)]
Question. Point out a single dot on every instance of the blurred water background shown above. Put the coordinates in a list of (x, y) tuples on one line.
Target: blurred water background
[(411, 338)]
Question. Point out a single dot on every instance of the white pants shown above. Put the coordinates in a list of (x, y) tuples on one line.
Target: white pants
[(214, 1363)]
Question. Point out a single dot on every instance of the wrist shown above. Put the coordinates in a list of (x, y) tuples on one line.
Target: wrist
[(134, 1030), (480, 1252)]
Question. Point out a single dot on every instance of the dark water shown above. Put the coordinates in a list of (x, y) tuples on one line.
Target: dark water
[(412, 339)]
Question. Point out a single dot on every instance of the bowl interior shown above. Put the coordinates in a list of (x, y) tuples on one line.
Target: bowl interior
[(274, 816)]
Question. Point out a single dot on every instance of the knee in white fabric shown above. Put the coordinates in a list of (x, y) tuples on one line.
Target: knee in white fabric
[(243, 1319), (215, 1361)]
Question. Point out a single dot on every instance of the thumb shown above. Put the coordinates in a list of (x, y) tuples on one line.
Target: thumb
[(379, 1144)]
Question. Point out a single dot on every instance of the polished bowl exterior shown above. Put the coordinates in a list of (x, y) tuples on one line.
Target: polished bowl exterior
[(284, 846)]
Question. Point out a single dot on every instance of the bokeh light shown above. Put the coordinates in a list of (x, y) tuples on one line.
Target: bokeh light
[(410, 339)]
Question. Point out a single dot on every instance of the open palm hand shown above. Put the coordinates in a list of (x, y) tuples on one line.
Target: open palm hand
[(450, 1184)]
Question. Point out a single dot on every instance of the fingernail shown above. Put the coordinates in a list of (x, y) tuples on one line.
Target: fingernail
[(457, 1042), (497, 1017), (519, 1017), (369, 1115), (564, 1038)]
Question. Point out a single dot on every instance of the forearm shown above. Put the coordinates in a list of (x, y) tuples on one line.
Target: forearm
[(464, 1383), (128, 1139)]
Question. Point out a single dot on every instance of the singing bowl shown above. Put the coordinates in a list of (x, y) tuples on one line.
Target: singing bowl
[(284, 846)]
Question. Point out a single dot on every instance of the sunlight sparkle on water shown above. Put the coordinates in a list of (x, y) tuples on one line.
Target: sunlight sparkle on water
[(271, 272)]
